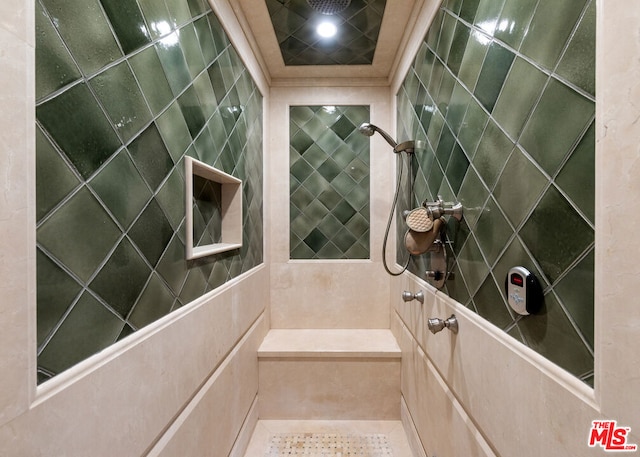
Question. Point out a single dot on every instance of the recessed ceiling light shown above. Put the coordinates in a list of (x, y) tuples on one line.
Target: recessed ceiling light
[(326, 29)]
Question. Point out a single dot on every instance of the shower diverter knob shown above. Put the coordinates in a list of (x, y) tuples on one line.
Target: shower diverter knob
[(408, 296), (436, 325)]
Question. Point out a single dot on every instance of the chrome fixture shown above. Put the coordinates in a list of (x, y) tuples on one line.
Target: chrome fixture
[(369, 129), (329, 7), (439, 208), (436, 325), (408, 296), (428, 234), (438, 274)]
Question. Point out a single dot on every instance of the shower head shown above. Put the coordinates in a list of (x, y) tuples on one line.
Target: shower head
[(369, 129)]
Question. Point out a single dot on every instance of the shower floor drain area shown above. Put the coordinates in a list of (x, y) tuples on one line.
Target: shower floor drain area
[(329, 445)]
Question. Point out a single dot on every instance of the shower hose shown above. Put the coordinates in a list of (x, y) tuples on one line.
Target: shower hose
[(391, 213)]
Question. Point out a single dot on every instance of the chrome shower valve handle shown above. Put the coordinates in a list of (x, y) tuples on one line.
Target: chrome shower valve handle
[(441, 208), (408, 296), (437, 325)]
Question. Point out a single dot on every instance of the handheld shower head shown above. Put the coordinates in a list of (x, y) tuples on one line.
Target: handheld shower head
[(369, 129)]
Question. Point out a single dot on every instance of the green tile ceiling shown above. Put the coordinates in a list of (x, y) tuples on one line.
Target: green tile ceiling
[(295, 22)]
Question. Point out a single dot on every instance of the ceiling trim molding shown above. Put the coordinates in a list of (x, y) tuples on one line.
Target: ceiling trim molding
[(240, 33), (423, 13), (330, 82)]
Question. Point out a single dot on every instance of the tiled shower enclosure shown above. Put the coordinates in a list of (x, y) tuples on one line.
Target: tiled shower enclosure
[(502, 97)]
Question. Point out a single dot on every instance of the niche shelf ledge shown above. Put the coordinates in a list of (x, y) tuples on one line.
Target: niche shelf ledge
[(230, 209)]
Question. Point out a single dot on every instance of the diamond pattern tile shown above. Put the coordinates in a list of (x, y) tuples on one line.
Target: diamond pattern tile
[(110, 182), (329, 177), (512, 139)]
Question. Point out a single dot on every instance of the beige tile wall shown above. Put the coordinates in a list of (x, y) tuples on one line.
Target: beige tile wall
[(328, 294)]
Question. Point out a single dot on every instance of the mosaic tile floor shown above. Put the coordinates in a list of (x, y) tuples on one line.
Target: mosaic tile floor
[(328, 438), (329, 445)]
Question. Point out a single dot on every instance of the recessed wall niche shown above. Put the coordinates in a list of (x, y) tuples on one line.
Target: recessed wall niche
[(213, 210)]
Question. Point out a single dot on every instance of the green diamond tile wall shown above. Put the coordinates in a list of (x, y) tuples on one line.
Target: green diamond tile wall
[(502, 94), (124, 91), (295, 21), (329, 182)]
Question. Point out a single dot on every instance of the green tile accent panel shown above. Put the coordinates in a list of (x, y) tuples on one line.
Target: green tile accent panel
[(205, 39), (294, 24), (472, 265), (491, 305), (89, 328), (155, 301), (80, 128), (519, 187), (128, 23), (79, 234), (127, 200), (577, 176), (578, 61), (111, 137), (179, 13), (126, 268), (473, 196), (556, 125), (520, 93), (492, 231), (501, 93), (151, 156), (556, 234), (174, 131), (552, 24), (468, 10), (493, 151), (148, 71), (492, 75), (514, 21), (173, 62), (56, 68), (119, 93), (191, 49), (552, 335), (329, 182), (86, 32), (192, 111), (54, 178), (56, 292), (156, 16), (487, 15), (151, 220), (473, 57), (575, 291)]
